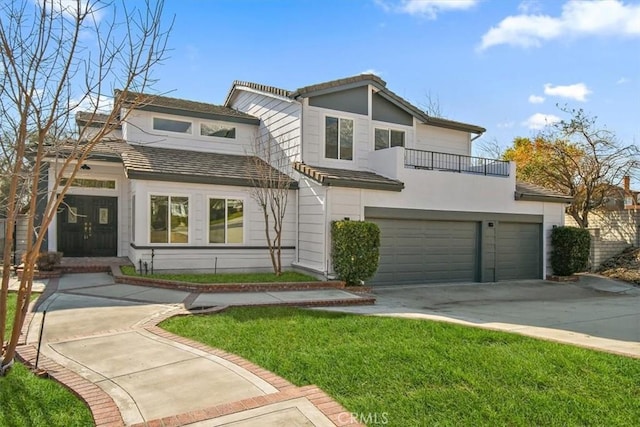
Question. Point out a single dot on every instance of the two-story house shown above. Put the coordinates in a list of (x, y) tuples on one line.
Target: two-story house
[(175, 185)]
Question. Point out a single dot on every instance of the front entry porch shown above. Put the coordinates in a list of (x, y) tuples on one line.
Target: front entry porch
[(88, 226)]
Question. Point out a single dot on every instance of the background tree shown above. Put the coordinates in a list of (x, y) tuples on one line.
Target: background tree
[(270, 189), (578, 158), (58, 57)]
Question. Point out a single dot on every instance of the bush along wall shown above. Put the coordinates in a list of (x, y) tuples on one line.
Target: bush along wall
[(570, 252), (355, 250)]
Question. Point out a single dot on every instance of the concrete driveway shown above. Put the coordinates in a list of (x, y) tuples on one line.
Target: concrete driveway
[(595, 312)]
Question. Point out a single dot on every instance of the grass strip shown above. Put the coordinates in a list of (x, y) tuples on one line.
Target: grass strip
[(401, 372)]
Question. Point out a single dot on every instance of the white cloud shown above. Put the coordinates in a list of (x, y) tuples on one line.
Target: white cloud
[(578, 19), (91, 103), (372, 71), (70, 8), (535, 99), (539, 120), (530, 6), (622, 80), (427, 8), (578, 91), (506, 125)]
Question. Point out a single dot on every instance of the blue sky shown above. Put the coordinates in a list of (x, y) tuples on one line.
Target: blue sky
[(500, 64)]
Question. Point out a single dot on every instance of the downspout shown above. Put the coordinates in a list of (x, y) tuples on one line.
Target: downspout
[(477, 136), (327, 232), (297, 255)]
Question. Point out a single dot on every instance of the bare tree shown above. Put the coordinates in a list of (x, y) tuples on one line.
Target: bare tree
[(57, 57), (432, 105), (270, 189)]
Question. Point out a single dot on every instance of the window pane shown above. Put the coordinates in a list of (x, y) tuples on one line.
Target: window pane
[(331, 138), (179, 220), (346, 139), (90, 183), (216, 221), (235, 219), (159, 216), (397, 138), (171, 125), (221, 131), (382, 139)]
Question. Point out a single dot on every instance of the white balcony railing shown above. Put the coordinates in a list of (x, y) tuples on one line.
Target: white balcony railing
[(433, 160)]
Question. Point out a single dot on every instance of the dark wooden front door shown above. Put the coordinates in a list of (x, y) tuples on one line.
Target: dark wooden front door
[(88, 226)]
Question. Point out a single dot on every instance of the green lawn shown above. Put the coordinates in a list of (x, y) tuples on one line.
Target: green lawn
[(414, 372), (26, 400), (209, 278)]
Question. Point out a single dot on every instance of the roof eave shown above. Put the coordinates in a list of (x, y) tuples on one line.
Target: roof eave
[(337, 182), (194, 179), (540, 198), (197, 114)]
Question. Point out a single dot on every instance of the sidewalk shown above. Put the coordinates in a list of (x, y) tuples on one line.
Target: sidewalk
[(101, 340)]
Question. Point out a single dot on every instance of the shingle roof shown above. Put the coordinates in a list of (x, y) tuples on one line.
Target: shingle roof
[(530, 192), (368, 78), (185, 107), (165, 164), (349, 178), (94, 119)]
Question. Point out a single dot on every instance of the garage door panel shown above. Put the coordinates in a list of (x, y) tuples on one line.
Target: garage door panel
[(415, 251), (518, 251)]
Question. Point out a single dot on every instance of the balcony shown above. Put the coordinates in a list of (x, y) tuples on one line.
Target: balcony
[(432, 160)]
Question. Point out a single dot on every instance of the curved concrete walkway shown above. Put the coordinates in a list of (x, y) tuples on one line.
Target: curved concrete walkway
[(101, 340)]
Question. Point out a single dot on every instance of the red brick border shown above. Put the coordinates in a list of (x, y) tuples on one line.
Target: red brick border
[(104, 410)]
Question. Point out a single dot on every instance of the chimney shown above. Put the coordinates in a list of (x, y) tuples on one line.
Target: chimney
[(627, 183)]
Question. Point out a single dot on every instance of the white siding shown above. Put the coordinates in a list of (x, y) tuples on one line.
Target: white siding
[(430, 138), (138, 130), (312, 226), (280, 119), (201, 254), (313, 137)]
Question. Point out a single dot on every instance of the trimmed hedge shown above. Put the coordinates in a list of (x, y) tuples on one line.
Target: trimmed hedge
[(570, 253), (355, 250)]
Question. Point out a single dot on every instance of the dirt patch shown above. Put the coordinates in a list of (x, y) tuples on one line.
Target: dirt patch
[(624, 266)]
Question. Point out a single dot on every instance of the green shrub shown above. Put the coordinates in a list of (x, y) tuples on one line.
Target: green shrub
[(570, 250), (355, 250)]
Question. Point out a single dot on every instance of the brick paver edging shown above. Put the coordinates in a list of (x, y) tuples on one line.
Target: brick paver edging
[(119, 277), (103, 409), (286, 391)]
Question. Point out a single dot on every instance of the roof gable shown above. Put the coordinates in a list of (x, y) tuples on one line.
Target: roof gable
[(379, 86)]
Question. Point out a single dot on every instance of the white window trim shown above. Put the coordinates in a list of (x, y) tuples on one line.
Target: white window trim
[(203, 122), (388, 129), (324, 137), (169, 195), (226, 235), (174, 119), (97, 178)]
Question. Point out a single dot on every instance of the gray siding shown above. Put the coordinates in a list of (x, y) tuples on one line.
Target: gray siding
[(385, 111), (351, 100), (312, 225)]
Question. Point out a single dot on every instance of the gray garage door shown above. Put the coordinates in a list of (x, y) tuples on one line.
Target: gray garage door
[(415, 251), (518, 251)]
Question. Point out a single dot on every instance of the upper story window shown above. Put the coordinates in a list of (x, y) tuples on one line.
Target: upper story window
[(217, 129), (386, 138), (171, 125), (338, 138), (169, 219)]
